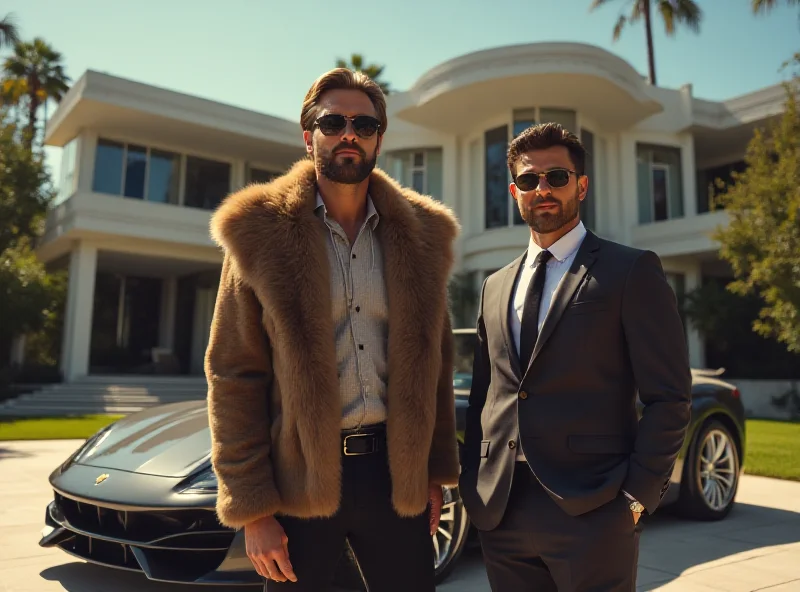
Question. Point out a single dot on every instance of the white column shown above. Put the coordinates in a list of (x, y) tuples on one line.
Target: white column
[(166, 328), (18, 350), (628, 188), (696, 343), (688, 167), (450, 184), (87, 147), (78, 313)]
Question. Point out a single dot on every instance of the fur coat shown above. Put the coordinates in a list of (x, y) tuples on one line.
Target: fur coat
[(273, 399)]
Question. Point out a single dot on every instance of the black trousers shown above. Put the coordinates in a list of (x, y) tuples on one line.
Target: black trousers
[(537, 547), (393, 553)]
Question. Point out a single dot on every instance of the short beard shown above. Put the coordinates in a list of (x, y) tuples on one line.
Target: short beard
[(545, 222), (349, 171)]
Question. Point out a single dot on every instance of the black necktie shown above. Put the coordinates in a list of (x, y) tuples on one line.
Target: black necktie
[(529, 332)]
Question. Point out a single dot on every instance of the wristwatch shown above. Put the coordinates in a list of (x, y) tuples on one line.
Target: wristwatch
[(634, 504)]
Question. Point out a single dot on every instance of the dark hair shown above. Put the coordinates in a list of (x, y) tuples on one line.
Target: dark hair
[(543, 136), (342, 79)]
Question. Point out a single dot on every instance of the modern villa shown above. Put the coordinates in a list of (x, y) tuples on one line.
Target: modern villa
[(144, 167)]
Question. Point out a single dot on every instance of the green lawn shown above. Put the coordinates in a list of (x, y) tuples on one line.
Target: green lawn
[(773, 449), (53, 428)]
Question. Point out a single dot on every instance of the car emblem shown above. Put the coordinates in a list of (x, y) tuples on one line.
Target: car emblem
[(101, 478)]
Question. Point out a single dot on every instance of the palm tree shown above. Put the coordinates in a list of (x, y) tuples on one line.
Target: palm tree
[(374, 71), (37, 73), (673, 12), (764, 6), (9, 34)]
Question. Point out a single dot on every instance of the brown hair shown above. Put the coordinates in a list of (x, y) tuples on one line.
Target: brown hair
[(543, 136), (342, 79)]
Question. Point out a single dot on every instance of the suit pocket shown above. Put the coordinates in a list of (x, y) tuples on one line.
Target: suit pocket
[(599, 444), (586, 306), (485, 448)]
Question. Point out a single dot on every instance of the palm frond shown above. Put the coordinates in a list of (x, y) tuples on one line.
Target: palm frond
[(619, 26)]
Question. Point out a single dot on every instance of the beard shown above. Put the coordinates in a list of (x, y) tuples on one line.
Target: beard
[(546, 221), (348, 170)]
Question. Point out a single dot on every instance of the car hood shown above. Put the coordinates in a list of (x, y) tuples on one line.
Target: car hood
[(167, 440)]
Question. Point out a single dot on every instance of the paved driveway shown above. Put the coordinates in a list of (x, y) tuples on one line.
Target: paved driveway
[(756, 548)]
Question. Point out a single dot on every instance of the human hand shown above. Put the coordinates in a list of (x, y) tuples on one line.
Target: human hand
[(436, 500), (267, 545)]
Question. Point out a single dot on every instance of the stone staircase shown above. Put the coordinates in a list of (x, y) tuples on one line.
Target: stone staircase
[(110, 395)]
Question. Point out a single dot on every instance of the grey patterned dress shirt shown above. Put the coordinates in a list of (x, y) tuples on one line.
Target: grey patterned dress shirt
[(360, 318)]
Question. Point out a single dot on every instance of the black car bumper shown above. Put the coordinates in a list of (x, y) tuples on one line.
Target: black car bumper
[(185, 545)]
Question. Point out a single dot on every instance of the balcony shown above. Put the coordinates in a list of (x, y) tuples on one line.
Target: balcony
[(679, 236)]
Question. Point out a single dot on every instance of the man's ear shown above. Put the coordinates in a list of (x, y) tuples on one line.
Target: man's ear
[(308, 138)]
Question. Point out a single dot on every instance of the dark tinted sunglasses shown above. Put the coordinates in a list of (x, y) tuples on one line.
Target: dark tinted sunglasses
[(334, 124), (555, 178)]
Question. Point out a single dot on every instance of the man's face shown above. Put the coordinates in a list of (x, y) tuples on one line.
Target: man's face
[(344, 156), (546, 208)]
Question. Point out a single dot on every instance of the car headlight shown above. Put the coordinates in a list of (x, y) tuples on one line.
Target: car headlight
[(203, 482)]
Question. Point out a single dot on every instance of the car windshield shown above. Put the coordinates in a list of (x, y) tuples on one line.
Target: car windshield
[(464, 348)]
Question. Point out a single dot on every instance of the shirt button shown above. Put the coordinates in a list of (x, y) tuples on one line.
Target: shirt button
[(358, 309), (512, 445), (354, 255), (360, 346), (523, 395)]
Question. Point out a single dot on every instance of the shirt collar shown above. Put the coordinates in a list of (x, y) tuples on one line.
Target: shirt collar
[(372, 214), (563, 247)]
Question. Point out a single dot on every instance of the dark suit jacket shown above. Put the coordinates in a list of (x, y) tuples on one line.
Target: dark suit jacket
[(613, 330)]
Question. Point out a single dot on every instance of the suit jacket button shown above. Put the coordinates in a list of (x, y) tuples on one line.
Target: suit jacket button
[(512, 445), (523, 395)]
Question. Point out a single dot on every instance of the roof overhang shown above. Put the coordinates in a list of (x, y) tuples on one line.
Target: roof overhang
[(566, 75), (124, 107)]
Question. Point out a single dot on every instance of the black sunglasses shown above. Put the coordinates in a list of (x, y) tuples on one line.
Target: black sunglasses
[(334, 124), (555, 178)]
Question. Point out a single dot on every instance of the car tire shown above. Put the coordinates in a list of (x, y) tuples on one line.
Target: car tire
[(710, 473), (448, 544)]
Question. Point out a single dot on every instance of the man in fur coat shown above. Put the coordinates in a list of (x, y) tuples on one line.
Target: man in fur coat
[(330, 359)]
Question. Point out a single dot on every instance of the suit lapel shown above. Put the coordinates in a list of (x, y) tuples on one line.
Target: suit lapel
[(584, 259), (506, 300)]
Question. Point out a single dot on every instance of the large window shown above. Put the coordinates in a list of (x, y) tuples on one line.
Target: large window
[(257, 175), (707, 190), (659, 183), (496, 177), (207, 182), (588, 206), (419, 169), (136, 171), (67, 181)]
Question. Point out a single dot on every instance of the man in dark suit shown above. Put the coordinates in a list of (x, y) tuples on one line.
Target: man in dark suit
[(557, 467)]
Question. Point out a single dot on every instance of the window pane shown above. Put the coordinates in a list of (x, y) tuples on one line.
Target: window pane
[(419, 159), (207, 182), (418, 181), (135, 166), (660, 192), (261, 176), (496, 188), (566, 117), (588, 204), (108, 167), (523, 119), (433, 172), (164, 177)]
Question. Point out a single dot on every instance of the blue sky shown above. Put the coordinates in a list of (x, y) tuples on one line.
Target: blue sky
[(264, 54)]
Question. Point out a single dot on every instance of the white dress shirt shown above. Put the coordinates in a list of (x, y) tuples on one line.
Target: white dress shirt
[(563, 251)]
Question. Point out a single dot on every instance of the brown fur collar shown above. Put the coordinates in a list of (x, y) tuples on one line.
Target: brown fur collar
[(278, 247)]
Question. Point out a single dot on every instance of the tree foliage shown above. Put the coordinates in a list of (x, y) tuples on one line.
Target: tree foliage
[(762, 240), (374, 71)]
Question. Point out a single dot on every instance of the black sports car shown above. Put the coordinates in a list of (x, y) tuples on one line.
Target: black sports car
[(139, 494)]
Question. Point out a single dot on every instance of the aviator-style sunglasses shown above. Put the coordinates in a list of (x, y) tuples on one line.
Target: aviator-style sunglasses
[(333, 124), (555, 178)]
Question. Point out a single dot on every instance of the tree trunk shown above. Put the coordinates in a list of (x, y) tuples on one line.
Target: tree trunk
[(648, 26), (33, 108)]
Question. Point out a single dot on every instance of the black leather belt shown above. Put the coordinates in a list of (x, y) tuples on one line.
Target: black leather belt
[(364, 441)]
